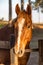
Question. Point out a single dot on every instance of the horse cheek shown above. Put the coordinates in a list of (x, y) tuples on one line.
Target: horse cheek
[(30, 34)]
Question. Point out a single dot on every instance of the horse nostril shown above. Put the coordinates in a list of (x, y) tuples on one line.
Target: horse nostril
[(13, 50), (20, 52)]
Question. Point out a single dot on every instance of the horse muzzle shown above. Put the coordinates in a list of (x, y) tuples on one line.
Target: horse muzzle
[(19, 52)]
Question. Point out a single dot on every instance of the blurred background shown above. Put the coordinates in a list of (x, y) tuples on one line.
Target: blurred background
[(37, 9)]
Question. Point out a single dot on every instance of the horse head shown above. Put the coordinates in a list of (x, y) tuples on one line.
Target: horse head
[(23, 30)]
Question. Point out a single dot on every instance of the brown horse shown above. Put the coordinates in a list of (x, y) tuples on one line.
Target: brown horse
[(5, 33), (23, 30)]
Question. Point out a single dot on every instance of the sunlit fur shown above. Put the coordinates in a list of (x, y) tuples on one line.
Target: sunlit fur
[(23, 33)]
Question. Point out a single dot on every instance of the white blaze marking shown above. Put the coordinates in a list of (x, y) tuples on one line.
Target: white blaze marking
[(20, 26)]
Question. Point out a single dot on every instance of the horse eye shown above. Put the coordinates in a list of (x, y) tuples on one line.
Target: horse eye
[(28, 26)]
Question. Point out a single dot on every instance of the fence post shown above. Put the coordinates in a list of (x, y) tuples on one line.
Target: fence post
[(40, 44)]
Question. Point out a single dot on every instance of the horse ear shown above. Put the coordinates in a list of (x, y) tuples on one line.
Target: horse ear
[(28, 9), (17, 9)]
